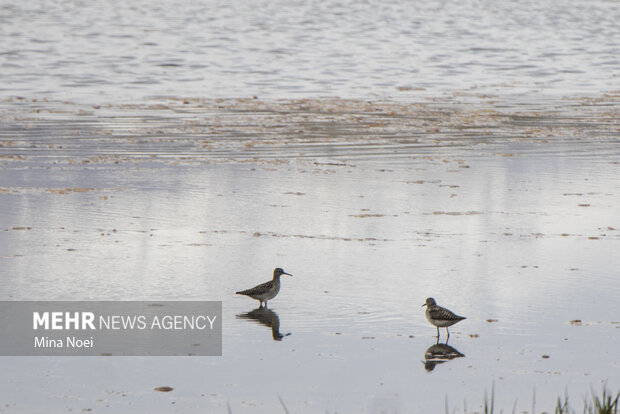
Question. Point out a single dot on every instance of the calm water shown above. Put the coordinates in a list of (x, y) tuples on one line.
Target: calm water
[(513, 221), (479, 165), (114, 50)]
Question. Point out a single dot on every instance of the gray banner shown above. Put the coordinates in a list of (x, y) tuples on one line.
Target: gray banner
[(65, 328)]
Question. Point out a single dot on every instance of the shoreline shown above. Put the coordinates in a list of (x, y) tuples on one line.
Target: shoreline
[(242, 130)]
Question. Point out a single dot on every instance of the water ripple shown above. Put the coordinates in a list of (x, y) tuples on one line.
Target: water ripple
[(348, 49)]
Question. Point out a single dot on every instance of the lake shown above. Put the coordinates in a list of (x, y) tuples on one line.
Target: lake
[(381, 153), (505, 214)]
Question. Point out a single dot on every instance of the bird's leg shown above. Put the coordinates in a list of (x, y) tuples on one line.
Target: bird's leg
[(447, 330), (438, 333), (261, 304)]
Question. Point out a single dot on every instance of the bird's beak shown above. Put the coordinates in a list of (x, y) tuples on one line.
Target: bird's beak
[(284, 273), (424, 305)]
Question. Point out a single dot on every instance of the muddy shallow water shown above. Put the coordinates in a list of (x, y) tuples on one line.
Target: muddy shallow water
[(505, 213)]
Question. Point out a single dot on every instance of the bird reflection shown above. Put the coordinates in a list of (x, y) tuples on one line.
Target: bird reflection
[(438, 354), (267, 317)]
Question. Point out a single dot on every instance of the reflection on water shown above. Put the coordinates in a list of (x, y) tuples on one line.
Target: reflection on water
[(266, 317), (439, 353), (377, 209)]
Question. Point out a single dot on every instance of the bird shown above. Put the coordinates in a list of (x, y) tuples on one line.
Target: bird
[(440, 317), (265, 291)]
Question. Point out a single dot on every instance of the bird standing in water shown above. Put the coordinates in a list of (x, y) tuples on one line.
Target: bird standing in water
[(440, 317), (266, 291)]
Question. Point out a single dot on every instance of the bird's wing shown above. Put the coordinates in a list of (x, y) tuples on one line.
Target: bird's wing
[(256, 290), (439, 313)]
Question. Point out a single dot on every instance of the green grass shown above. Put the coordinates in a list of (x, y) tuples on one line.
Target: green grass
[(606, 403)]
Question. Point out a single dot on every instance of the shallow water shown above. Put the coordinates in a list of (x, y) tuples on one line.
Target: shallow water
[(119, 51), (505, 214)]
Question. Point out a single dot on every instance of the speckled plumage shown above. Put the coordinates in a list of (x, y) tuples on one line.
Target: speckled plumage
[(439, 316), (265, 291)]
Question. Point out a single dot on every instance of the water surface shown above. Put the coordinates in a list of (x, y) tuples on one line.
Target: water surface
[(119, 51), (505, 214)]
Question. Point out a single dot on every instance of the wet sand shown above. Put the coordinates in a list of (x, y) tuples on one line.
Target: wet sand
[(505, 212), (184, 130)]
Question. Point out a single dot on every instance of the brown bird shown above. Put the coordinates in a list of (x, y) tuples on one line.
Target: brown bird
[(265, 291), (440, 317)]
